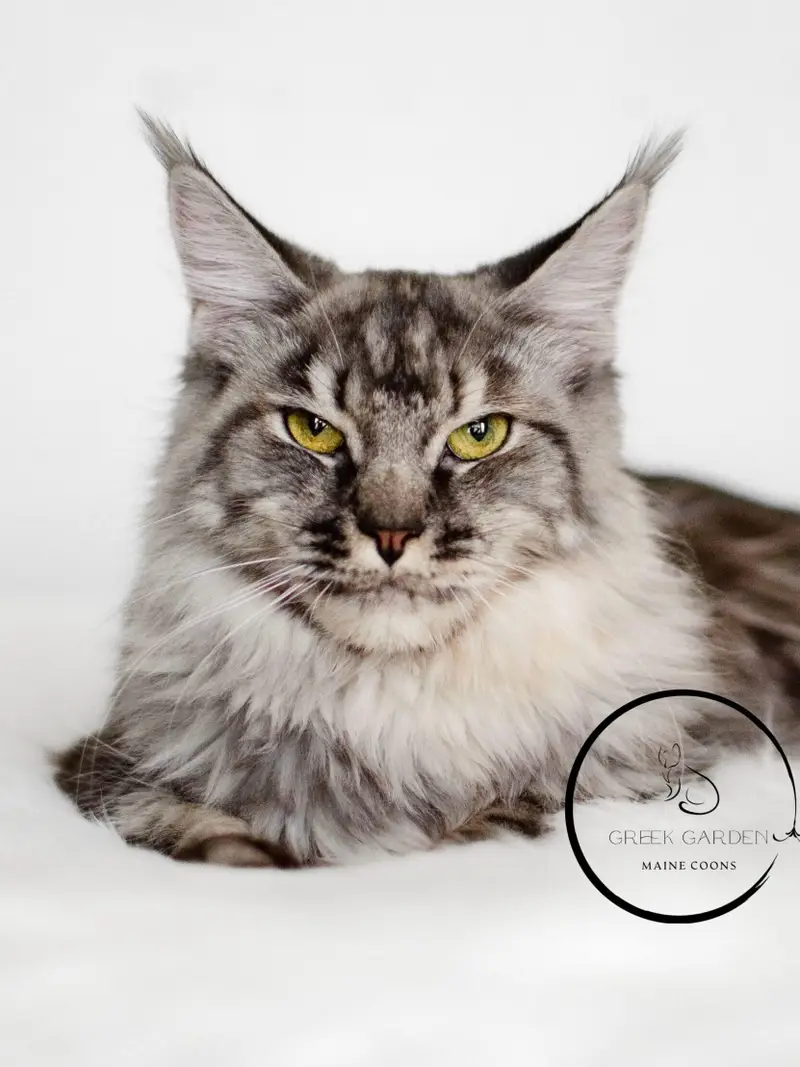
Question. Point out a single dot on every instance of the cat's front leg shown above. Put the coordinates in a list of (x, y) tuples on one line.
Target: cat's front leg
[(191, 832), (104, 782)]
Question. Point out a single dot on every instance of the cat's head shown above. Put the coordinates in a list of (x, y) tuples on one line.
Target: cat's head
[(388, 451)]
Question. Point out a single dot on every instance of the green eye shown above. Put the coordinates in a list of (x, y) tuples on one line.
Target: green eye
[(479, 438), (314, 433)]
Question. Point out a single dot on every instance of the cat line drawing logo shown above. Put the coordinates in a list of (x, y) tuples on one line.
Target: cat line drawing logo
[(694, 795), (675, 784)]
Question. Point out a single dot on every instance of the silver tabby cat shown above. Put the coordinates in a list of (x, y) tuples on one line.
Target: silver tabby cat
[(395, 571)]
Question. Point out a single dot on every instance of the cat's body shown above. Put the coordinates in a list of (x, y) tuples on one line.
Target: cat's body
[(381, 646)]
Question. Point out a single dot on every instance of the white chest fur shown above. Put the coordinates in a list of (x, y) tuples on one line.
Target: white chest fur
[(522, 684)]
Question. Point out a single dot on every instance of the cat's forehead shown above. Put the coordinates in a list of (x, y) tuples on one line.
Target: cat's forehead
[(392, 320), (398, 339)]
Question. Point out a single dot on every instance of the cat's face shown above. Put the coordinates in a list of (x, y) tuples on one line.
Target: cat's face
[(388, 452), (333, 451)]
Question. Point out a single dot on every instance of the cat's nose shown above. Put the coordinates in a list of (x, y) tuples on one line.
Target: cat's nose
[(391, 543)]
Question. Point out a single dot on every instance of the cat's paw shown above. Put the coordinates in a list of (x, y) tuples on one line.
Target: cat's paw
[(214, 837), (231, 850)]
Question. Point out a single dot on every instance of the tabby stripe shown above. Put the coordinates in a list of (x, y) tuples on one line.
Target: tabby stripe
[(201, 367), (559, 438), (239, 418)]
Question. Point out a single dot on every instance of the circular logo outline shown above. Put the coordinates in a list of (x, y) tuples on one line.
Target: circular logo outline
[(569, 814)]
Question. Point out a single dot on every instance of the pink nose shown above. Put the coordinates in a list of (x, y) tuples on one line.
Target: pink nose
[(391, 543)]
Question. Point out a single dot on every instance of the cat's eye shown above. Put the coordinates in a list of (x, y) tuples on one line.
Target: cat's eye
[(480, 437), (314, 433)]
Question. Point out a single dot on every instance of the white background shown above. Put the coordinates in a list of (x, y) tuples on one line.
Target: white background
[(429, 135), (414, 134)]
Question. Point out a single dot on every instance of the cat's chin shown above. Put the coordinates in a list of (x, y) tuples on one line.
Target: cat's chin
[(393, 624)]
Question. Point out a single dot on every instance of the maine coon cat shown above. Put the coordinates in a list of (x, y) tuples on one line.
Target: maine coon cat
[(394, 570)]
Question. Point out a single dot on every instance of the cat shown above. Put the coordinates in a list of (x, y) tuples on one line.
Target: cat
[(395, 570)]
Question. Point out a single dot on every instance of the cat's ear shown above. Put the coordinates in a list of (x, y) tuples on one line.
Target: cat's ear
[(227, 257), (576, 277), (580, 283), (224, 258)]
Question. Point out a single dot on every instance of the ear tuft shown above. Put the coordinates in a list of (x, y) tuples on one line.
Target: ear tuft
[(170, 150), (652, 160)]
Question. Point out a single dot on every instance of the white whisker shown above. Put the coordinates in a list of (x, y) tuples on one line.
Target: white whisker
[(166, 518), (328, 321), (202, 574)]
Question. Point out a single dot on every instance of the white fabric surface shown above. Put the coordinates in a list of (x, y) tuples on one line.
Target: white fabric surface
[(499, 953)]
